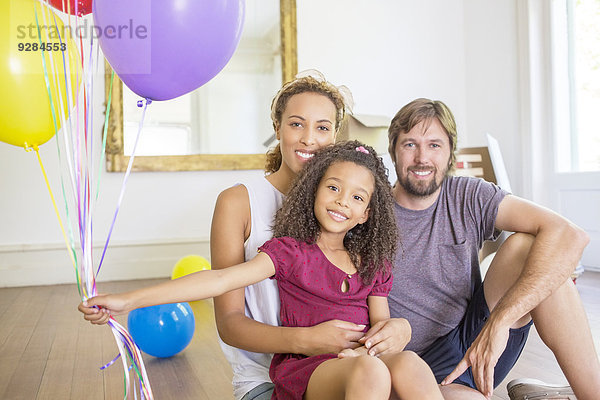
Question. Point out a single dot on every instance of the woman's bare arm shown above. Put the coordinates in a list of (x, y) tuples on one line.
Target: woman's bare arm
[(230, 228)]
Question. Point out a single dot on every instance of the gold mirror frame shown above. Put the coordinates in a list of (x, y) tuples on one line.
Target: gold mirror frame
[(116, 160)]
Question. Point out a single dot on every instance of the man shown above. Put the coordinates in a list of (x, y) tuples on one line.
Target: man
[(457, 321)]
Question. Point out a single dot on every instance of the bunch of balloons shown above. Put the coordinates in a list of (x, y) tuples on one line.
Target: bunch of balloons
[(161, 49)]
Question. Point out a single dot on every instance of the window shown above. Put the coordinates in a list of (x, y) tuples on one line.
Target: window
[(576, 55)]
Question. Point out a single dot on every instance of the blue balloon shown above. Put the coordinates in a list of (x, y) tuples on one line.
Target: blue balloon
[(163, 330)]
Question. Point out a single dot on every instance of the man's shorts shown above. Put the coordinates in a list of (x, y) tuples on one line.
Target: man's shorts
[(446, 352)]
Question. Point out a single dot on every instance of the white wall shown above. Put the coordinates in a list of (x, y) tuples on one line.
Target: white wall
[(492, 84), (387, 52), (163, 216)]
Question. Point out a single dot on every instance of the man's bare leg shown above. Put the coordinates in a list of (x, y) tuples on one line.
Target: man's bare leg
[(560, 319), (563, 326), (456, 391)]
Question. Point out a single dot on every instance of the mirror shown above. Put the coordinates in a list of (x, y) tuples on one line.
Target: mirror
[(190, 133)]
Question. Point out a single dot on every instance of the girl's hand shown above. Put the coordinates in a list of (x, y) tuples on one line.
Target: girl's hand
[(347, 353), (98, 309), (387, 336)]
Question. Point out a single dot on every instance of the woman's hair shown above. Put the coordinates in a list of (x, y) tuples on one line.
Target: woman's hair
[(414, 113), (371, 245), (310, 81)]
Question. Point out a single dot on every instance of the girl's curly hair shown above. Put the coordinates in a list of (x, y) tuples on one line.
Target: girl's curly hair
[(372, 245)]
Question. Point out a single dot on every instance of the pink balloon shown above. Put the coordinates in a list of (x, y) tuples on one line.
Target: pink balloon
[(162, 49)]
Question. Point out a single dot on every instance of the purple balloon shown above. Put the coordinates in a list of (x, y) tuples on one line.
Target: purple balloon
[(162, 49)]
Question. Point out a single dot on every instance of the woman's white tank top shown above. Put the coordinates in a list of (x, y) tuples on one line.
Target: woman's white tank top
[(262, 298)]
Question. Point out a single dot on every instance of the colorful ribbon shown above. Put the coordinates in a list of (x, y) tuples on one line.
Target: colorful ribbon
[(79, 157)]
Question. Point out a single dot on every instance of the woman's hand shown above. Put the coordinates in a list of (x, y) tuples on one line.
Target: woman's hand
[(387, 336), (331, 337)]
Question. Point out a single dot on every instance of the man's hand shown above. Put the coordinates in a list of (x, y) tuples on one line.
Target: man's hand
[(482, 357), (387, 337)]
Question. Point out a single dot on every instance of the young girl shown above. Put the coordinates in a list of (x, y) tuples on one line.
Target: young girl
[(335, 238)]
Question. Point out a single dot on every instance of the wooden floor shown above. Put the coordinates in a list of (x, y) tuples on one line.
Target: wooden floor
[(47, 351)]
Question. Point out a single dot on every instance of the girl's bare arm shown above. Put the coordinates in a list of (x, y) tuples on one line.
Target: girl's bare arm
[(196, 286), (387, 335)]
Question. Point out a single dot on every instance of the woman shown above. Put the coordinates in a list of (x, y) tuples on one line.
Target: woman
[(307, 114)]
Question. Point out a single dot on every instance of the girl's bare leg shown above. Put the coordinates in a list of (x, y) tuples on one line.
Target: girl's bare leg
[(411, 377), (361, 378)]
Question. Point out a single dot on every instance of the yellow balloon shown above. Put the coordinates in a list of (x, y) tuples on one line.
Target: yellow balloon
[(26, 117), (203, 311), (188, 265)]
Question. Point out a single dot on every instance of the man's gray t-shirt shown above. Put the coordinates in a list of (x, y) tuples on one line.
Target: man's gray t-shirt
[(437, 270)]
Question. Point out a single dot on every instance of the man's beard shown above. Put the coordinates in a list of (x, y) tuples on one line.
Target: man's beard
[(421, 189)]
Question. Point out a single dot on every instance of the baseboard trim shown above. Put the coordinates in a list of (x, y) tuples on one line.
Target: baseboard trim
[(49, 264)]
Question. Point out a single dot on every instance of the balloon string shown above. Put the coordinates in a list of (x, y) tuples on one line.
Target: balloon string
[(68, 219), (54, 120), (104, 133), (103, 153), (37, 153), (67, 129), (108, 364), (89, 158), (87, 170), (62, 111), (46, 79), (128, 350), (127, 173)]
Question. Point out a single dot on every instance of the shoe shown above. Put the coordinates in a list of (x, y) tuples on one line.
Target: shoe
[(533, 389)]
